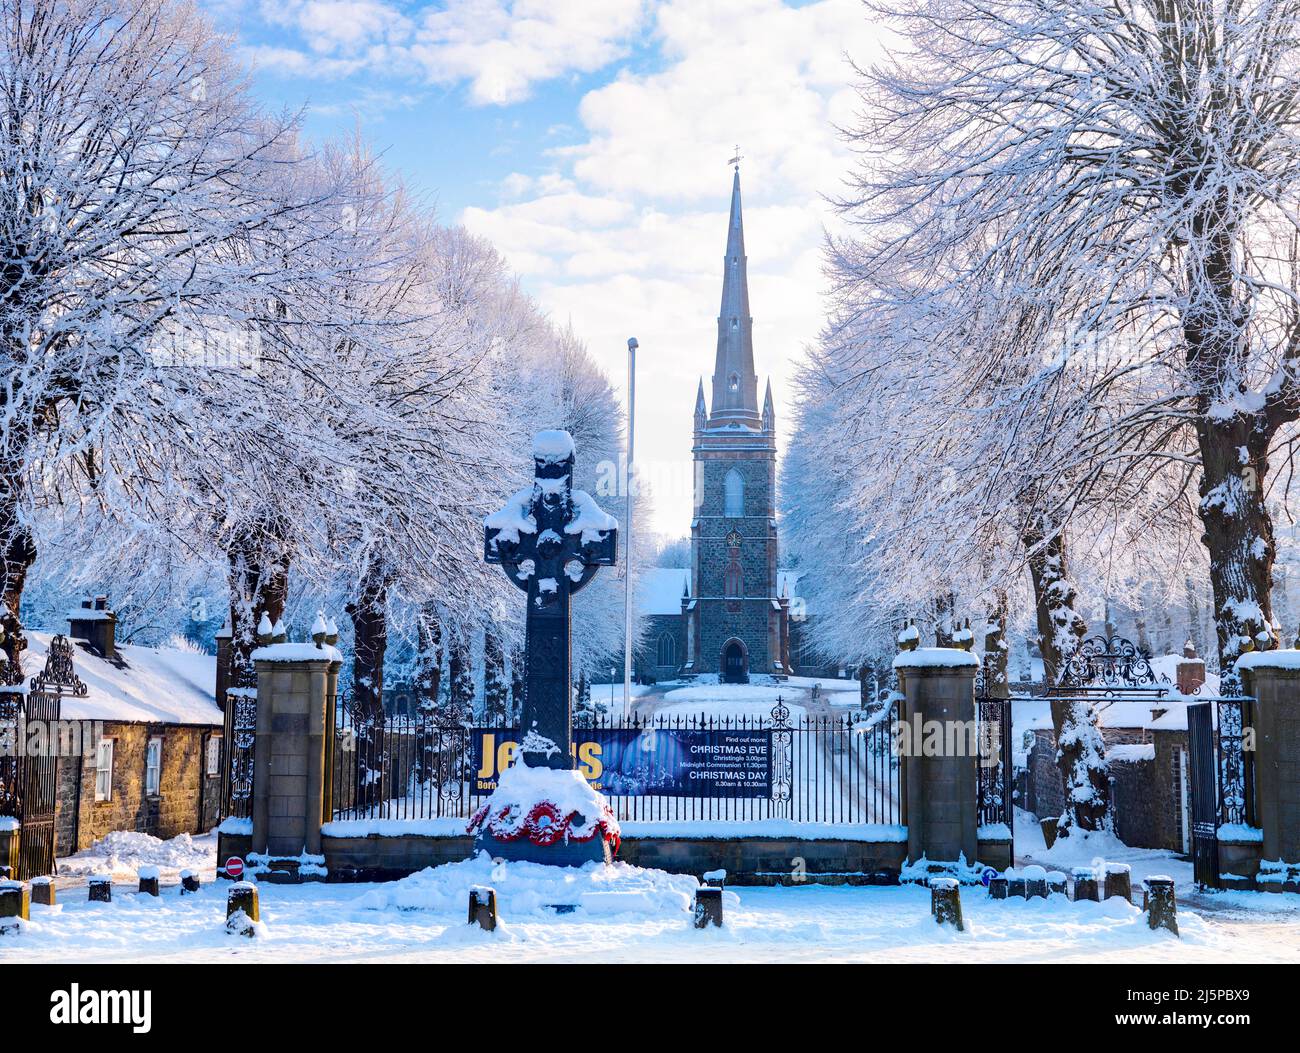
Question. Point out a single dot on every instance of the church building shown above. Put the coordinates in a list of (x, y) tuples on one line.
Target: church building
[(735, 622)]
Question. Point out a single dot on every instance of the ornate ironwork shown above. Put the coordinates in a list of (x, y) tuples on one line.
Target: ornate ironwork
[(1112, 663), (243, 735), (782, 755), (1234, 769), (59, 676), (10, 730), (993, 770)]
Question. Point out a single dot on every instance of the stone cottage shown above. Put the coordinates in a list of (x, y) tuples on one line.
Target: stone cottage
[(151, 752)]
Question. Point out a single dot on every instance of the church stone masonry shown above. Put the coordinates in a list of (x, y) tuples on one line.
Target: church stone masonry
[(736, 623)]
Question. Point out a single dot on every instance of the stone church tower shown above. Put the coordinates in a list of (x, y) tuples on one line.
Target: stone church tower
[(736, 624)]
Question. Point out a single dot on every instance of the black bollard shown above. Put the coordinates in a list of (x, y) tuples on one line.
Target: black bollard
[(1162, 908), (1057, 885), (148, 880), (189, 882), (1035, 882), (43, 891), (1119, 881), (483, 907), (1085, 884), (945, 902), (715, 878), (998, 888), (242, 912), (1015, 885), (14, 905), (99, 888), (708, 907)]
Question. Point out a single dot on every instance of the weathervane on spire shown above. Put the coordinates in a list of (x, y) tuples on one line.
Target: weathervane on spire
[(735, 160)]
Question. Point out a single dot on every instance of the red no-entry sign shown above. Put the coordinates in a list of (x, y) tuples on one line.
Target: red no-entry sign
[(234, 868)]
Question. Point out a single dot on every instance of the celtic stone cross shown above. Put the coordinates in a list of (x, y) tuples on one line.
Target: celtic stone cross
[(550, 540)]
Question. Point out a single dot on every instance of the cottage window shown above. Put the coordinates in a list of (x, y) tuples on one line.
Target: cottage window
[(104, 770), (214, 756), (153, 767)]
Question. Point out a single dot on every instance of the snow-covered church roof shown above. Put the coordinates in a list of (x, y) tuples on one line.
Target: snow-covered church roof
[(660, 589), (151, 685)]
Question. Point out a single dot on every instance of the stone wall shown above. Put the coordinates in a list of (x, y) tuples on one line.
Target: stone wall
[(748, 861), (1146, 794), (187, 802)]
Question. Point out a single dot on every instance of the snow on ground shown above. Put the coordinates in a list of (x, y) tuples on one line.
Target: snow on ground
[(122, 853), (632, 914), (640, 916), (1080, 851)]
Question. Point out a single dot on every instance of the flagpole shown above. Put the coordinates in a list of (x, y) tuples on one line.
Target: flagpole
[(627, 531)]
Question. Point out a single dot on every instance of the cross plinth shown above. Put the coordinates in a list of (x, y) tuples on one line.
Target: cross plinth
[(550, 540)]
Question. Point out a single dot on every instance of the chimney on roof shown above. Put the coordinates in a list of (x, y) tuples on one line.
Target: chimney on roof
[(95, 623)]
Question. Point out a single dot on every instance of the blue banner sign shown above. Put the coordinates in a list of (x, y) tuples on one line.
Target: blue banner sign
[(648, 762)]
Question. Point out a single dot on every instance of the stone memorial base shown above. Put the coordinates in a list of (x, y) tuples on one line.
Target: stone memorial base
[(560, 854), (545, 815)]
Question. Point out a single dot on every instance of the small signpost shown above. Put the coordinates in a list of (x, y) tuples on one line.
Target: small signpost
[(234, 868)]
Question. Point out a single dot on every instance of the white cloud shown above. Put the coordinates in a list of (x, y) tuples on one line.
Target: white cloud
[(504, 48), (627, 238), (500, 48)]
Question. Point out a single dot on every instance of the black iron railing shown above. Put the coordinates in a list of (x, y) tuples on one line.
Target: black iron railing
[(837, 769)]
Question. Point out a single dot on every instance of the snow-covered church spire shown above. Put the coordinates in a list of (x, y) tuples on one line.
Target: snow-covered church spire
[(735, 384)]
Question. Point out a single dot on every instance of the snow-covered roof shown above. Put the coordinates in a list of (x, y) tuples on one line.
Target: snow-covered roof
[(661, 589), (153, 685)]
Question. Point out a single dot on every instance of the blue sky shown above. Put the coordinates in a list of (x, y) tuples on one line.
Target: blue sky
[(588, 140)]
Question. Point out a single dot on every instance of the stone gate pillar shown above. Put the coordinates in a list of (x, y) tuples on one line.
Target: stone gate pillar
[(295, 683), (1272, 678), (940, 753)]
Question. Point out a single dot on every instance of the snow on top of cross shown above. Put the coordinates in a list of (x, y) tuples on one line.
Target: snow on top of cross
[(554, 445), (153, 685), (513, 518), (589, 519)]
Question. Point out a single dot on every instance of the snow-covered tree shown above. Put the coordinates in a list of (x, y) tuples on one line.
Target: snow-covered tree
[(1127, 174), (133, 170)]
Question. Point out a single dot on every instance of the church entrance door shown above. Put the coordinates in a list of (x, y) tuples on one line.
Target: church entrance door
[(735, 663)]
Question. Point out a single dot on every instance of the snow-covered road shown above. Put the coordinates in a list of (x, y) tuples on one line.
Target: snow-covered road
[(340, 923)]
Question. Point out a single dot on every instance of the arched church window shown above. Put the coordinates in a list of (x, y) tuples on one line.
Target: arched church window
[(733, 586), (734, 494), (667, 649), (733, 382)]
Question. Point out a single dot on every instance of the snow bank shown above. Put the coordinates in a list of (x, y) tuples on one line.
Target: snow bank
[(783, 828), (447, 827), (531, 888), (1280, 659), (296, 652), (936, 658), (125, 852)]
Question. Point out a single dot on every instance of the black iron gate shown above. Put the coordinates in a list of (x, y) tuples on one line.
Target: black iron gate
[(994, 781), (1204, 794), (38, 785), (30, 773)]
